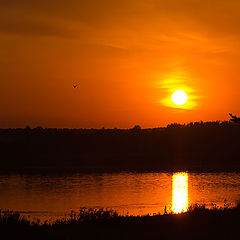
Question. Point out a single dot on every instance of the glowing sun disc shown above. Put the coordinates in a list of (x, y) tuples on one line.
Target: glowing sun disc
[(179, 97)]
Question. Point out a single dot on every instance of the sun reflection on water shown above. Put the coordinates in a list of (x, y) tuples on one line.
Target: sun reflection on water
[(179, 192)]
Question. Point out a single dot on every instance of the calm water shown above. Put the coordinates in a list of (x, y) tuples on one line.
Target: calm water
[(134, 193)]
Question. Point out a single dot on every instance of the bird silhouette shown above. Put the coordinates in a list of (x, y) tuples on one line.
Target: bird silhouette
[(234, 118), (74, 86)]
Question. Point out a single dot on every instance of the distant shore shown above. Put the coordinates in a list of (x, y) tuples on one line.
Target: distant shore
[(197, 147)]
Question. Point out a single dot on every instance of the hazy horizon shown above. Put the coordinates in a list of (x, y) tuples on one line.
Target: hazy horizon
[(112, 128)]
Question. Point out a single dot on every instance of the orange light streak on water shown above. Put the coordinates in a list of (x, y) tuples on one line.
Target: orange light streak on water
[(180, 192)]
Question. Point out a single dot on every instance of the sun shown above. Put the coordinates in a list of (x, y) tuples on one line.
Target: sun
[(179, 97)]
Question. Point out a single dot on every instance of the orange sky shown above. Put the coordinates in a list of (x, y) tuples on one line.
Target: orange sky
[(126, 57)]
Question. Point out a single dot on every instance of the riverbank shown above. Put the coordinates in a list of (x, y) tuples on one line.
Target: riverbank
[(197, 223), (210, 146)]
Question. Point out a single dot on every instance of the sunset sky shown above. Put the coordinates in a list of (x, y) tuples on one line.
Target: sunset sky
[(127, 58)]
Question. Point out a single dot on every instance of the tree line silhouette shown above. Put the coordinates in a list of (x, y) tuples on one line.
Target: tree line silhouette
[(196, 146)]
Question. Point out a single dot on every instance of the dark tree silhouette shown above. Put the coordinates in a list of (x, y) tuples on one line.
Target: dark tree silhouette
[(193, 146), (137, 127)]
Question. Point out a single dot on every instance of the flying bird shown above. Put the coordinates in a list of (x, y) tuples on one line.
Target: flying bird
[(234, 118)]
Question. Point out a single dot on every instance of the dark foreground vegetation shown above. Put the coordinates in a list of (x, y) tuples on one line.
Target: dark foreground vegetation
[(197, 223), (199, 146)]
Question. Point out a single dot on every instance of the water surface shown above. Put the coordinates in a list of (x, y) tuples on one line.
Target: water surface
[(45, 196)]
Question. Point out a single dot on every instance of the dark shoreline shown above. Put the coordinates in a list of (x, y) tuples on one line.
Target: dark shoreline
[(197, 223), (196, 147), (53, 171)]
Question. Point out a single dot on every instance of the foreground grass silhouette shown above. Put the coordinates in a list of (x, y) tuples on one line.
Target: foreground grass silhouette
[(198, 223)]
